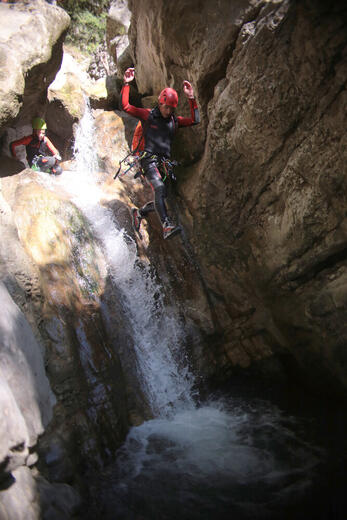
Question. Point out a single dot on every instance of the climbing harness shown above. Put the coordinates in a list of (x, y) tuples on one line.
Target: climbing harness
[(38, 165), (166, 166), (34, 166), (134, 153), (129, 164)]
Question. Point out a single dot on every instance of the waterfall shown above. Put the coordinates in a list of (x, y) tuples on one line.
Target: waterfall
[(224, 458), (157, 330), (86, 160)]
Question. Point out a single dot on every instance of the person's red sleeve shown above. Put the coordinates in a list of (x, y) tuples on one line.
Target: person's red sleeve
[(194, 118), (22, 141), (140, 113)]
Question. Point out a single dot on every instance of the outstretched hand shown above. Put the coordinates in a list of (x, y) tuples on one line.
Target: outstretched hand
[(188, 89), (129, 75)]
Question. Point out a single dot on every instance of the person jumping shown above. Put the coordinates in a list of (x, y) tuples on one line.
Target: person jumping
[(159, 126)]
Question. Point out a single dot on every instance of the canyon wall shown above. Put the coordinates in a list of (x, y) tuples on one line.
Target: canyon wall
[(263, 190), (259, 272), (63, 398)]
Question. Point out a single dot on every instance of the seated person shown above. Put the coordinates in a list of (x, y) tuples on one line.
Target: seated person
[(41, 154)]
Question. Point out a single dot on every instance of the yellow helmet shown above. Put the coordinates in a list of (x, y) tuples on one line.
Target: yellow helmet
[(39, 124)]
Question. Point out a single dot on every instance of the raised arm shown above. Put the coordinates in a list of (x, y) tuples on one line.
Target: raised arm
[(140, 113), (194, 118)]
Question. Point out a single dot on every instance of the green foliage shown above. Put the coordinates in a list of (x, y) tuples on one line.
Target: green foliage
[(88, 30), (96, 7), (88, 22)]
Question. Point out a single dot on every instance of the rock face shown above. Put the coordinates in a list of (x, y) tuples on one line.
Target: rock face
[(30, 52), (26, 408), (66, 96), (118, 21), (117, 42), (62, 271), (26, 397), (264, 204)]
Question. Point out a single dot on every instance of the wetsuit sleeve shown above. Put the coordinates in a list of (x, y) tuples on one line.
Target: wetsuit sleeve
[(140, 113), (51, 147), (22, 141), (194, 118)]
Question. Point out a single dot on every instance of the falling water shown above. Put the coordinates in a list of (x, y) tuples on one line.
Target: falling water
[(156, 329), (86, 160), (227, 458)]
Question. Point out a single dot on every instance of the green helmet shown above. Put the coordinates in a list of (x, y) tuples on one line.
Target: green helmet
[(39, 124)]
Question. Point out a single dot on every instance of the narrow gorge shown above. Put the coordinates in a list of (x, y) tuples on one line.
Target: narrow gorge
[(198, 377)]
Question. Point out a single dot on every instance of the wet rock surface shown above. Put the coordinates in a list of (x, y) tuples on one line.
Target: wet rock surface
[(62, 300), (264, 204)]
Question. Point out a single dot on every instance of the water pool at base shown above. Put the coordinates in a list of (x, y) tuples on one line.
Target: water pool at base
[(238, 458)]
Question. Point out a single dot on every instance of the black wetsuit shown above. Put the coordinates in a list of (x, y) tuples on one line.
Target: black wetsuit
[(39, 152), (158, 136)]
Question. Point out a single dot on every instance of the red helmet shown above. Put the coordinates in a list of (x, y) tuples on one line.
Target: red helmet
[(169, 97)]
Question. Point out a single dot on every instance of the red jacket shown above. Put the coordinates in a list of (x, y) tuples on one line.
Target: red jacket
[(34, 147), (159, 131)]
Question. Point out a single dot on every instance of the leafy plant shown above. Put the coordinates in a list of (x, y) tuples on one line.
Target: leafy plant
[(88, 22), (96, 7)]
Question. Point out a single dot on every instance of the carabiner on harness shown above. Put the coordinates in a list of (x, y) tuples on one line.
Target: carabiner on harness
[(167, 168), (130, 165)]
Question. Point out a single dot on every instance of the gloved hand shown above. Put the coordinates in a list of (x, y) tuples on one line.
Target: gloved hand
[(57, 157), (188, 89), (129, 75)]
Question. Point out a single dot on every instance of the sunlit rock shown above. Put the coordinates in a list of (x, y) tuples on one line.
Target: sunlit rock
[(117, 25), (42, 219), (31, 53), (81, 359), (26, 398)]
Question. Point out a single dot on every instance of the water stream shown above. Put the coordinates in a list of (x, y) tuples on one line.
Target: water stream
[(235, 456)]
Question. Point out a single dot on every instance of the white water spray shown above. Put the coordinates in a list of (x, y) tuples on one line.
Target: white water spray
[(157, 331), (208, 454)]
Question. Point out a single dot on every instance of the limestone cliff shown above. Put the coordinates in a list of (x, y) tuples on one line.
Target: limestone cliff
[(57, 368), (264, 203), (54, 269), (31, 41)]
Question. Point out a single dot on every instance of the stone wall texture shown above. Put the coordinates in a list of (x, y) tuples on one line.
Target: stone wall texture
[(263, 195)]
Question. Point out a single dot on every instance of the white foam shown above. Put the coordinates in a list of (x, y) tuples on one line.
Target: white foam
[(157, 330)]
